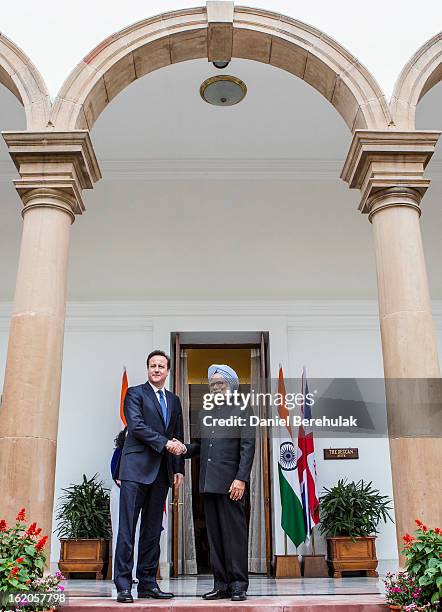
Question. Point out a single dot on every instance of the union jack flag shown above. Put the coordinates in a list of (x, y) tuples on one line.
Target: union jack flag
[(307, 466)]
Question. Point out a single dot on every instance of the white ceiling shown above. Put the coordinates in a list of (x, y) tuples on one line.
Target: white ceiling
[(172, 230), (163, 116)]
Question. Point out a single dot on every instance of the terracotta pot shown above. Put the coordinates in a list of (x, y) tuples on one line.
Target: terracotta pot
[(395, 607)]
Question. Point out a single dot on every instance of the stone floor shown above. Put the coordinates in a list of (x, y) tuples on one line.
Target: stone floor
[(338, 603), (260, 586), (353, 594)]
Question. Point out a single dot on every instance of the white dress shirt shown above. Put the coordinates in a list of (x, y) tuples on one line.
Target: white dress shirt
[(156, 392)]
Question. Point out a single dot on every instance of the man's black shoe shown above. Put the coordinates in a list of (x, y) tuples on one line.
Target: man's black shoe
[(154, 593), (216, 594), (125, 596), (238, 596)]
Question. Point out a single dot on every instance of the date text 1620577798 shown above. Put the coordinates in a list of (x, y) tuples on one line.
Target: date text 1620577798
[(24, 599)]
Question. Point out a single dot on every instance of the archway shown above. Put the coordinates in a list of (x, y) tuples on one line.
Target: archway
[(220, 31), (196, 34), (422, 72), (22, 78)]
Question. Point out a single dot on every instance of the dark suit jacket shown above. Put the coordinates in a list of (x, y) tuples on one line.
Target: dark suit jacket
[(226, 454), (144, 447)]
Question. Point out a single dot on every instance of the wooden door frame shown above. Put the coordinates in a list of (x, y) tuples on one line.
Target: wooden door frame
[(175, 374), (263, 345)]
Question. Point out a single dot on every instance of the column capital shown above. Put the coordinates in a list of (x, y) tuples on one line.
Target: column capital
[(380, 160), (54, 163)]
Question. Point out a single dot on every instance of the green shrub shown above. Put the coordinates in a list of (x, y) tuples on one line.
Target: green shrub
[(352, 509), (84, 511), (423, 552)]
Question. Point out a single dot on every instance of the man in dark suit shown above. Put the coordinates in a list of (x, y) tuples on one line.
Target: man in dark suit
[(226, 457), (150, 464)]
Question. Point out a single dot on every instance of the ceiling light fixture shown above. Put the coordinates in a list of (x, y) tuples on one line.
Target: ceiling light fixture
[(221, 65), (223, 90)]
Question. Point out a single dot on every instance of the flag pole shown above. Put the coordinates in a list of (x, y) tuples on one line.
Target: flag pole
[(285, 535), (313, 541)]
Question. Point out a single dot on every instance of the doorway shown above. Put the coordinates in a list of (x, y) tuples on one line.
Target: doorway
[(192, 353)]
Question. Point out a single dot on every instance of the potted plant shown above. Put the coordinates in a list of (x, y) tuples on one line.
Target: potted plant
[(402, 591), (43, 592), (84, 528), (423, 554), (22, 563), (350, 513)]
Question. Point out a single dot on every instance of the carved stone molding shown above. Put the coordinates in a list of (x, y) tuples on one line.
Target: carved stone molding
[(220, 31), (381, 160), (53, 165)]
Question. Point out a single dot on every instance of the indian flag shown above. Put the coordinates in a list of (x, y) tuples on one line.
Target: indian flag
[(124, 388), (292, 517)]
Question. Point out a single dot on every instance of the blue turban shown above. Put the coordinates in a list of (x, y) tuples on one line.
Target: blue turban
[(228, 373)]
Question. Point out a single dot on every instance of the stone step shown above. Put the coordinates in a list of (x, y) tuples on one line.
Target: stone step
[(337, 603)]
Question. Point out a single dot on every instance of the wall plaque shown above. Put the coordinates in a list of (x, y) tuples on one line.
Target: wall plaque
[(341, 453)]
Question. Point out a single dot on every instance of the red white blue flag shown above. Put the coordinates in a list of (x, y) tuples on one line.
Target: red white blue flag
[(307, 466)]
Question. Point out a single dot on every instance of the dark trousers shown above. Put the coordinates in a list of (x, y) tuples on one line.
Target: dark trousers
[(149, 499), (228, 541)]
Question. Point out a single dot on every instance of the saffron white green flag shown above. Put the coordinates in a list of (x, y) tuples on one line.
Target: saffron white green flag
[(292, 516)]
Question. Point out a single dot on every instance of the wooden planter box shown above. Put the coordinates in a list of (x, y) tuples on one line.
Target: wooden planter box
[(314, 566), (346, 555), (84, 556), (287, 566)]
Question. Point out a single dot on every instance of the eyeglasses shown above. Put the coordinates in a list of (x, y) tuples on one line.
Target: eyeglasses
[(218, 383)]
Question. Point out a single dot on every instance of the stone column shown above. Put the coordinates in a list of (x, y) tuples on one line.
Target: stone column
[(54, 168), (388, 167)]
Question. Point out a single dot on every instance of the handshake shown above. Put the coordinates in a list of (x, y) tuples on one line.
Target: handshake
[(176, 447)]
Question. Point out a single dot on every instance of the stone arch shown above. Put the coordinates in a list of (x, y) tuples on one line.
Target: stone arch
[(220, 31), (422, 72), (22, 78)]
